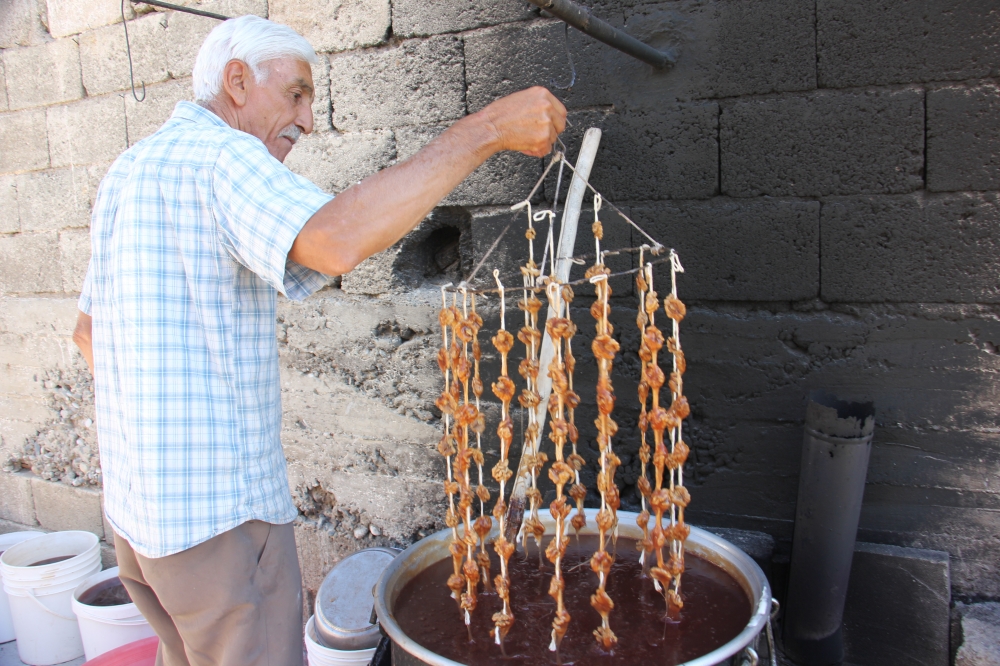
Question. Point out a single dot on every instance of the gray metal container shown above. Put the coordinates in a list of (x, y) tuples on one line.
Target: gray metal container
[(835, 451), (737, 652), (344, 601)]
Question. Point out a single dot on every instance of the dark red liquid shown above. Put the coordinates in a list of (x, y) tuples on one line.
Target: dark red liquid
[(109, 592), (716, 609), (51, 560)]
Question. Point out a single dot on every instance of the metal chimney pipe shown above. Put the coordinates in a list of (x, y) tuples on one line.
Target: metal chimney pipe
[(581, 19), (835, 451)]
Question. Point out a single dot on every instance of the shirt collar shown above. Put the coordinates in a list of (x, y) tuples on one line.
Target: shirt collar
[(197, 113)]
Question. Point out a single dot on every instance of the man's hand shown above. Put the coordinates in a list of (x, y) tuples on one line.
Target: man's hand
[(372, 215), (528, 121)]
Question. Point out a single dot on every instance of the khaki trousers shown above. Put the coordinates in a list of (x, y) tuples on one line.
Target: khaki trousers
[(234, 600)]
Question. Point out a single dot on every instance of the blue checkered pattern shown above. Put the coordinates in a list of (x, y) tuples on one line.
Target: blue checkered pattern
[(190, 237)]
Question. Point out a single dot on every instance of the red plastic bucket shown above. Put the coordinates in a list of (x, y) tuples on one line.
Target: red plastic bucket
[(140, 653)]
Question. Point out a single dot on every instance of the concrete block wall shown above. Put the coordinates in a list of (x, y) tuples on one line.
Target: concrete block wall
[(828, 172)]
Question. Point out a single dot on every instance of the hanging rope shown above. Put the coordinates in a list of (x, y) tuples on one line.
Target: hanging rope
[(128, 49)]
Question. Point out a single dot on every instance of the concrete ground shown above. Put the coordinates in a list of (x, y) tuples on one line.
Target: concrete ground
[(8, 656)]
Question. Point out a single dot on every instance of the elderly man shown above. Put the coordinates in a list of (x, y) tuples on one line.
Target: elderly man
[(195, 230)]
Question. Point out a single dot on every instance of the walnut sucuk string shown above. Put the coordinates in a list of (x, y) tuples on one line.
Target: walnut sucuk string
[(559, 328), (467, 418), (503, 388), (578, 491), (604, 347), (666, 574), (483, 523), (448, 404), (645, 545), (529, 334), (679, 496)]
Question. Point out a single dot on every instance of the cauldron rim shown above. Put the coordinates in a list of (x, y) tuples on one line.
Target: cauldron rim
[(701, 542)]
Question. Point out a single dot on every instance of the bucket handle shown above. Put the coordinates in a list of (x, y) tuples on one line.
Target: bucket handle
[(31, 595)]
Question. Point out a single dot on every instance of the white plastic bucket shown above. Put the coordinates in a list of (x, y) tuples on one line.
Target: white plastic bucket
[(6, 624), (320, 655), (104, 628), (41, 596)]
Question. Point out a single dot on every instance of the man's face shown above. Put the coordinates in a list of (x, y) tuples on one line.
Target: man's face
[(279, 109)]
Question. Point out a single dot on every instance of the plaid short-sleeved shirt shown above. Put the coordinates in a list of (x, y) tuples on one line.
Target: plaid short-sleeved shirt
[(190, 237)]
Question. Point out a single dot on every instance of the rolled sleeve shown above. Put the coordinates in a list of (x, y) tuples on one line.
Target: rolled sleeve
[(260, 207)]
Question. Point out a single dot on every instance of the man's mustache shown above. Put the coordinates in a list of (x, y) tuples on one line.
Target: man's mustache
[(292, 132)]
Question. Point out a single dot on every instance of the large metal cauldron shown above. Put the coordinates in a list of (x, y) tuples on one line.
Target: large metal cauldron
[(739, 651)]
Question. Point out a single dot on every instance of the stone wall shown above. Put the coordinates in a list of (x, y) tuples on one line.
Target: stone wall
[(827, 171)]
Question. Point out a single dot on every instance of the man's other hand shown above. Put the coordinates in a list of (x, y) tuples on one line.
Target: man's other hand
[(528, 121)]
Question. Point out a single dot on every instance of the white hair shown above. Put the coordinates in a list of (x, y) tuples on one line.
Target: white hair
[(251, 39)]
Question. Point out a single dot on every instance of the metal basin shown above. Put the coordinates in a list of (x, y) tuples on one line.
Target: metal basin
[(738, 651)]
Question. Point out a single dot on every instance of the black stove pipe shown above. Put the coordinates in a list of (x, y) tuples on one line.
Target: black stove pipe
[(835, 451), (581, 19)]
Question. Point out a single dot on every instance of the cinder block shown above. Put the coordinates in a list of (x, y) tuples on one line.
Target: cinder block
[(963, 138), (68, 17), (185, 35), (27, 262), (46, 74), (73, 131), (505, 178), (822, 144), (726, 49), (62, 507), (3, 88), (147, 116), (55, 199), (897, 610), (34, 317), (227, 7), (415, 83), (9, 219), (933, 249), (109, 558), (337, 25), (508, 58), (872, 42), (26, 145), (671, 153), (322, 108), (16, 502), (430, 17), (758, 545), (21, 24), (74, 253), (109, 531), (977, 642), (337, 161), (733, 250), (104, 59)]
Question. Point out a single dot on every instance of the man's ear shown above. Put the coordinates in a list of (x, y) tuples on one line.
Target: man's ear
[(236, 81)]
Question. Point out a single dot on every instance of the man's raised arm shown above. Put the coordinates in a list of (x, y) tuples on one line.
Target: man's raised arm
[(372, 215)]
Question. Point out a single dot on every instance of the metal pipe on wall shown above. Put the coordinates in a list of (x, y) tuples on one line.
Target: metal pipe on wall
[(581, 19), (835, 452)]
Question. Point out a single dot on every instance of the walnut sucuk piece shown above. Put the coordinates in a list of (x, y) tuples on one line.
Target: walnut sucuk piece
[(674, 308), (503, 341), (503, 388)]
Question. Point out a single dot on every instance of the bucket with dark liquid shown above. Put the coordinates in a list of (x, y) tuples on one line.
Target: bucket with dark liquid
[(727, 606), (107, 617), (39, 576)]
